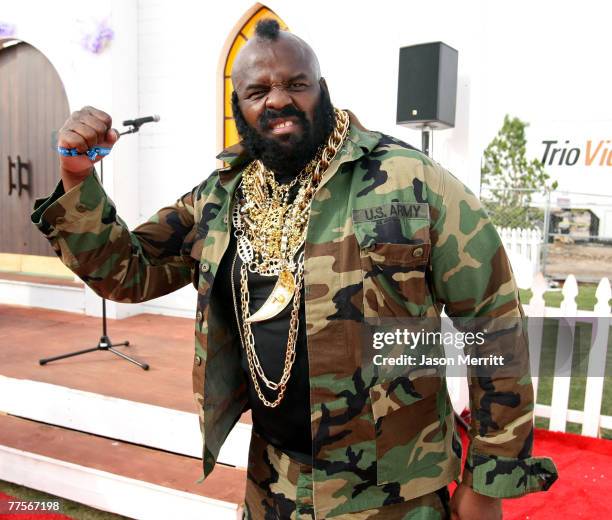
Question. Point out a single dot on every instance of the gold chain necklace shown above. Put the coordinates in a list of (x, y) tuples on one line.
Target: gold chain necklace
[(273, 228), (269, 232)]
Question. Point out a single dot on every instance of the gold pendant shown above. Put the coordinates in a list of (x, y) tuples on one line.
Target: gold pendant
[(280, 296)]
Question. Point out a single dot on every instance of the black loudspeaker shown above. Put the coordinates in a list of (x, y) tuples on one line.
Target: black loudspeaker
[(427, 86)]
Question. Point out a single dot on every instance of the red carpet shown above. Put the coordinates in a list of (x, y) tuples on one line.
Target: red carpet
[(584, 487), (25, 516)]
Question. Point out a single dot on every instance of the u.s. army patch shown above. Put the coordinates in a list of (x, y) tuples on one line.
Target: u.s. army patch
[(393, 210)]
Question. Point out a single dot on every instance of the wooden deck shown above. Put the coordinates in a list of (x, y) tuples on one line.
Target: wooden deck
[(28, 334), (51, 417)]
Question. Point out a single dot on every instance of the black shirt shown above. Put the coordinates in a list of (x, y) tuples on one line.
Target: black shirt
[(287, 426)]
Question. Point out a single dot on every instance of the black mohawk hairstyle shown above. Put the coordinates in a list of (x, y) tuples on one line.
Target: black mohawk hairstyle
[(267, 29)]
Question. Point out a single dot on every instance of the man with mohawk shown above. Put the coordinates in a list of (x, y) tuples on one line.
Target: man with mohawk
[(315, 227)]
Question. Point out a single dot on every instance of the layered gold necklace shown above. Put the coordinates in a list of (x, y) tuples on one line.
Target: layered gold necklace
[(270, 230)]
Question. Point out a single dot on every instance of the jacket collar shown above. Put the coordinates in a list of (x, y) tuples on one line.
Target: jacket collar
[(359, 141)]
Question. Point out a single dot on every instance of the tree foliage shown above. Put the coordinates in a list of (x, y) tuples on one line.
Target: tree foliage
[(509, 179)]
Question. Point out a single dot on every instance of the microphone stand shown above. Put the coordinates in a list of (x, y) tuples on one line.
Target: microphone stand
[(105, 342)]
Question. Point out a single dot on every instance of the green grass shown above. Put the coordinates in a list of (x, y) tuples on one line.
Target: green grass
[(586, 297), (68, 507)]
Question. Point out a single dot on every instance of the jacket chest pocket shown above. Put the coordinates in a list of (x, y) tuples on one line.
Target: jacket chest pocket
[(394, 254), (410, 436)]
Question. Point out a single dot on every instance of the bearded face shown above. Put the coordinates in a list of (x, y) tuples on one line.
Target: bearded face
[(286, 154)]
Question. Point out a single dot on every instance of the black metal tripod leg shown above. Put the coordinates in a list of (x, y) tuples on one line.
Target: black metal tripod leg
[(122, 344), (54, 358), (144, 366)]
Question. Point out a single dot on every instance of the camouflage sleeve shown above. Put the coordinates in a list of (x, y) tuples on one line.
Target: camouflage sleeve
[(85, 231), (471, 276)]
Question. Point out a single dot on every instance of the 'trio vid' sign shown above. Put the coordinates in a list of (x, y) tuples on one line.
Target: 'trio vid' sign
[(593, 152), (576, 154)]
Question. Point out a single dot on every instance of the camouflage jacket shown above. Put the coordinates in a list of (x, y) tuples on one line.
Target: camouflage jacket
[(391, 233)]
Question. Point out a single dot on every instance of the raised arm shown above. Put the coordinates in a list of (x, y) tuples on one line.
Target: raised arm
[(82, 225)]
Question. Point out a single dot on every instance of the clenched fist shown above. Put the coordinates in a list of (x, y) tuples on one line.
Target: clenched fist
[(84, 129)]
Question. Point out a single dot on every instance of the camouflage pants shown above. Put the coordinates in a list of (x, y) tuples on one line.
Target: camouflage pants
[(280, 488)]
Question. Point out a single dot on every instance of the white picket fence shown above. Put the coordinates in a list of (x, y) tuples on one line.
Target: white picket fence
[(558, 411), (523, 247), (525, 242)]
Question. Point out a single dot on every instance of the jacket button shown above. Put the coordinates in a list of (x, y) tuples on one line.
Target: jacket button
[(198, 360), (199, 316), (205, 267), (418, 252), (81, 208)]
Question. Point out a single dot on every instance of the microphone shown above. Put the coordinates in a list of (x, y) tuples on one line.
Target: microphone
[(138, 122), (141, 120)]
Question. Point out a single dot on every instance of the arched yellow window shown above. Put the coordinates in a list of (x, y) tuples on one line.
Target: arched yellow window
[(243, 31)]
